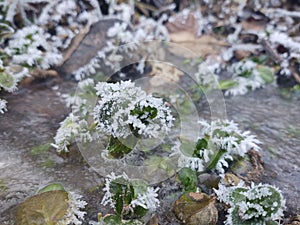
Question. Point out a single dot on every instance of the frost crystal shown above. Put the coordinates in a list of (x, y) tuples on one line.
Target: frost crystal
[(219, 142), (66, 133), (147, 200), (140, 197), (124, 108), (25, 48), (257, 204), (2, 106), (246, 77), (74, 214)]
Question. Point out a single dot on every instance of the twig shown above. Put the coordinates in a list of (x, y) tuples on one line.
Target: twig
[(44, 73), (74, 44), (278, 59), (274, 55), (281, 13)]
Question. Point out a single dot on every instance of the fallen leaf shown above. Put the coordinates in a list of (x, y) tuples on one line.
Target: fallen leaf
[(164, 73), (190, 46), (182, 22)]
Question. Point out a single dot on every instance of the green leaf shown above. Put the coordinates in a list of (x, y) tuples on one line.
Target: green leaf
[(139, 211), (260, 59), (215, 159), (227, 84), (200, 146), (6, 80), (52, 187), (266, 74), (237, 220), (188, 179), (117, 149), (112, 220), (237, 195)]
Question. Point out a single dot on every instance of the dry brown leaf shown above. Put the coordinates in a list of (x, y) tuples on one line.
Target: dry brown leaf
[(164, 73), (182, 23), (190, 46), (253, 25)]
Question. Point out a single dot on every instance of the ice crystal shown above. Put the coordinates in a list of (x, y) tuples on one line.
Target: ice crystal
[(141, 196), (9, 77), (219, 142), (68, 128), (246, 76), (25, 48), (147, 200), (123, 107), (74, 214), (3, 106), (121, 32), (257, 204)]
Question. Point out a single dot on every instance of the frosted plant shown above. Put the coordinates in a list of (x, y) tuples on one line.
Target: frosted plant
[(9, 77), (128, 198), (206, 73), (25, 48), (124, 111), (70, 128), (247, 75), (218, 144), (123, 33), (260, 204), (74, 214), (3, 106), (11, 7)]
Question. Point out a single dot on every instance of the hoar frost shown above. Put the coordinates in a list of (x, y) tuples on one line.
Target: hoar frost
[(218, 143), (124, 108)]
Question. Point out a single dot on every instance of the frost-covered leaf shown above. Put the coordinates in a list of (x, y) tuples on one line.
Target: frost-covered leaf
[(188, 179), (52, 187), (266, 74), (227, 84)]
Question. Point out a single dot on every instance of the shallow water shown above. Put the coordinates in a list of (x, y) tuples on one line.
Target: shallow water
[(34, 115)]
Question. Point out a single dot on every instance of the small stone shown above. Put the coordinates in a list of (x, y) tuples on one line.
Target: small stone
[(209, 180), (241, 54), (206, 216), (189, 204), (231, 179), (153, 221)]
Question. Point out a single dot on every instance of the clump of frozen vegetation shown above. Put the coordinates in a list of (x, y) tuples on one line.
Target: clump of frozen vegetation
[(122, 111), (124, 108), (260, 204), (38, 40), (10, 75), (247, 75), (75, 212), (25, 48), (220, 142), (130, 37), (129, 198)]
